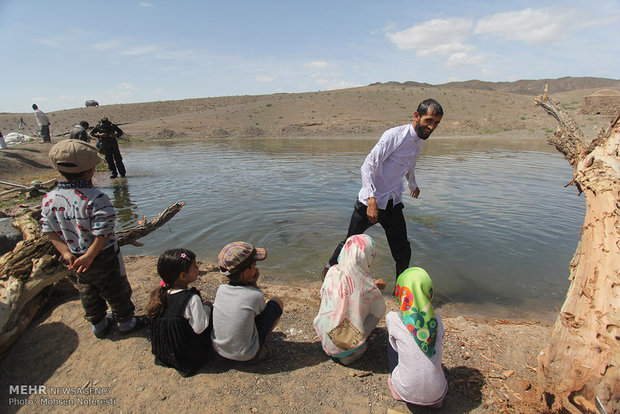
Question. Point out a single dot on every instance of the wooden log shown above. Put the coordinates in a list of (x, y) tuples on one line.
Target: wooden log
[(33, 189), (132, 234), (34, 265)]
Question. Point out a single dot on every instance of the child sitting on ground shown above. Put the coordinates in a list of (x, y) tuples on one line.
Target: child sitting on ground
[(415, 335), (241, 318), (79, 220), (181, 332), (351, 301)]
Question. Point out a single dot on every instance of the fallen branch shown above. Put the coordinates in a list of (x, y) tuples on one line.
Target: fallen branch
[(33, 189), (130, 235)]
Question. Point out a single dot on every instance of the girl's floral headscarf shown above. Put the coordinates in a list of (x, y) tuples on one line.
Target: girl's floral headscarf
[(414, 290), (347, 296)]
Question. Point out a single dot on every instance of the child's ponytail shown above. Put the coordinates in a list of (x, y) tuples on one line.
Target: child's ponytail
[(169, 266), (157, 303)]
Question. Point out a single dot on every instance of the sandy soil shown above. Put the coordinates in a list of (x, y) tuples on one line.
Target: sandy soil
[(490, 363)]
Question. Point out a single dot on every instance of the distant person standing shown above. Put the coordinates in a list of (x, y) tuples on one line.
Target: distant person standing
[(107, 133), (393, 158), (44, 123), (79, 132)]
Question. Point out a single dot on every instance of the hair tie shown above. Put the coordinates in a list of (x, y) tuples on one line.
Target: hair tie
[(164, 284)]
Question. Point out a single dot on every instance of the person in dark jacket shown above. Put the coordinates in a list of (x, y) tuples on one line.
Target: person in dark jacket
[(107, 133)]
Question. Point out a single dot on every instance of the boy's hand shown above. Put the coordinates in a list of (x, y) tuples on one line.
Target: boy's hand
[(82, 263), (380, 283), (69, 258)]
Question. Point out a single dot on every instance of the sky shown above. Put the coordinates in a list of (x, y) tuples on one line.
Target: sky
[(60, 53)]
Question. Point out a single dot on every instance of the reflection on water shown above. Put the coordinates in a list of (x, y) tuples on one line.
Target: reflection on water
[(493, 224), (125, 208)]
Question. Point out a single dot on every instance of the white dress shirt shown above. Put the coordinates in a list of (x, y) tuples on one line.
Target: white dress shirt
[(391, 159)]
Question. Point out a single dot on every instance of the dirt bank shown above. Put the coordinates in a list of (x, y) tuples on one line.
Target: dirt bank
[(490, 364)]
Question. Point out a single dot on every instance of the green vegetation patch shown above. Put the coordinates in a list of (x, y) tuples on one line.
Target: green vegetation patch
[(426, 220)]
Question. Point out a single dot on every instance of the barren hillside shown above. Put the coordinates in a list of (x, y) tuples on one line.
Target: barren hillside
[(472, 108)]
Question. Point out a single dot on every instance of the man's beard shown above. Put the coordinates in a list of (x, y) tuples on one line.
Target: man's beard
[(422, 132)]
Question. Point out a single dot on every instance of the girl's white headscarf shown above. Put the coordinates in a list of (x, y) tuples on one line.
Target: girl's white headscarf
[(347, 296)]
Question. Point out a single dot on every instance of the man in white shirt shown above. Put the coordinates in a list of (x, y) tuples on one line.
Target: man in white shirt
[(44, 123), (380, 199)]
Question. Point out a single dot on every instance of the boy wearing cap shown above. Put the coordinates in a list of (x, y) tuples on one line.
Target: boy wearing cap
[(79, 220), (241, 318)]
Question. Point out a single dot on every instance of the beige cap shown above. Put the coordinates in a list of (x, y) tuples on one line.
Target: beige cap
[(74, 156)]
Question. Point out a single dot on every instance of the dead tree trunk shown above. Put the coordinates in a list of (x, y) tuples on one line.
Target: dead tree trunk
[(579, 371), (27, 273)]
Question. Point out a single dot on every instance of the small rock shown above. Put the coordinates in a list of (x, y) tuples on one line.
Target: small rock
[(526, 385), (9, 236), (254, 410), (140, 388)]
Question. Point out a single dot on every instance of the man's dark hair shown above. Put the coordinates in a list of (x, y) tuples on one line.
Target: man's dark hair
[(35, 107), (430, 105)]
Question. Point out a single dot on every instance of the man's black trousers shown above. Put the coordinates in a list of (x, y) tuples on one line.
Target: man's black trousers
[(392, 221)]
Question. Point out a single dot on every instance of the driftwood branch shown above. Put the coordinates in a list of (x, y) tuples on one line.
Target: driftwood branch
[(132, 234), (568, 138), (33, 189), (34, 265)]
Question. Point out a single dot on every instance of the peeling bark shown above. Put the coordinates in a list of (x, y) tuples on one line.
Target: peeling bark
[(581, 364)]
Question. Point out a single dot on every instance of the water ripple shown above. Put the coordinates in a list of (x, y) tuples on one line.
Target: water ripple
[(491, 224)]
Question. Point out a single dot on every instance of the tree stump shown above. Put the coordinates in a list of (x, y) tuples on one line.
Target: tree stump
[(579, 370)]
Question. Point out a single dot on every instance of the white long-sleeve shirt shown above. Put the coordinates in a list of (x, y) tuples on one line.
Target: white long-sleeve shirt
[(195, 312), (391, 159), (417, 378), (42, 119)]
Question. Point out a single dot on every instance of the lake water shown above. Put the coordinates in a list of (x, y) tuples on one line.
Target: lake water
[(494, 224)]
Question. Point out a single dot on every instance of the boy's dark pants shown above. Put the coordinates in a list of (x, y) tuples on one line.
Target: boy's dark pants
[(392, 221), (103, 282)]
